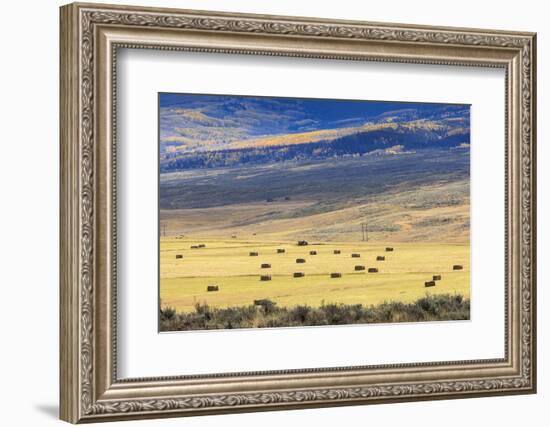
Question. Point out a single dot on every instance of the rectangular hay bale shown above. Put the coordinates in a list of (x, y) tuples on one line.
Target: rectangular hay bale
[(335, 275), (298, 274), (265, 278), (429, 284)]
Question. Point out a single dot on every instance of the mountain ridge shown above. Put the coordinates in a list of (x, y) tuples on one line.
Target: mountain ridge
[(206, 131), (394, 139)]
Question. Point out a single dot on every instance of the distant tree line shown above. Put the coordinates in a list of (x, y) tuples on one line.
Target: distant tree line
[(356, 144)]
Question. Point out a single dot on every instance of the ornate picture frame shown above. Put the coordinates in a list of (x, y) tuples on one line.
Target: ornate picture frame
[(90, 37)]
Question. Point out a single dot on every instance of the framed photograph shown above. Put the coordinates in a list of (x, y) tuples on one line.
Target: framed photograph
[(265, 212)]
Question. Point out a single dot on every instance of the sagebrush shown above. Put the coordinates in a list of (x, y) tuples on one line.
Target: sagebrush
[(266, 314)]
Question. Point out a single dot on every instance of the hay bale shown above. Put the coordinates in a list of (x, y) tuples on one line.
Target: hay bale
[(380, 258), (212, 288), (313, 252), (388, 249), (373, 270), (337, 252), (299, 274), (266, 304), (335, 275), (359, 268), (253, 254), (280, 251), (265, 278), (302, 243), (202, 245), (300, 261), (436, 277), (457, 267), (194, 247), (356, 255), (265, 266), (178, 256), (429, 284)]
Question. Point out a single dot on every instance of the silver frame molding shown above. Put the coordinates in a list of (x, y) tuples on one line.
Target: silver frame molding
[(90, 37)]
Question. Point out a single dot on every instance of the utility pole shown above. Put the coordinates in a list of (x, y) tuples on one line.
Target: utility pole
[(364, 232)]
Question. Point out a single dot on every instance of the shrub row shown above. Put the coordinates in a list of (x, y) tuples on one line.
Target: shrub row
[(268, 315)]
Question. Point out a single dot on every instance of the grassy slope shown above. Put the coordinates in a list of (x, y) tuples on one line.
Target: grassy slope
[(422, 197), (330, 184), (390, 218)]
